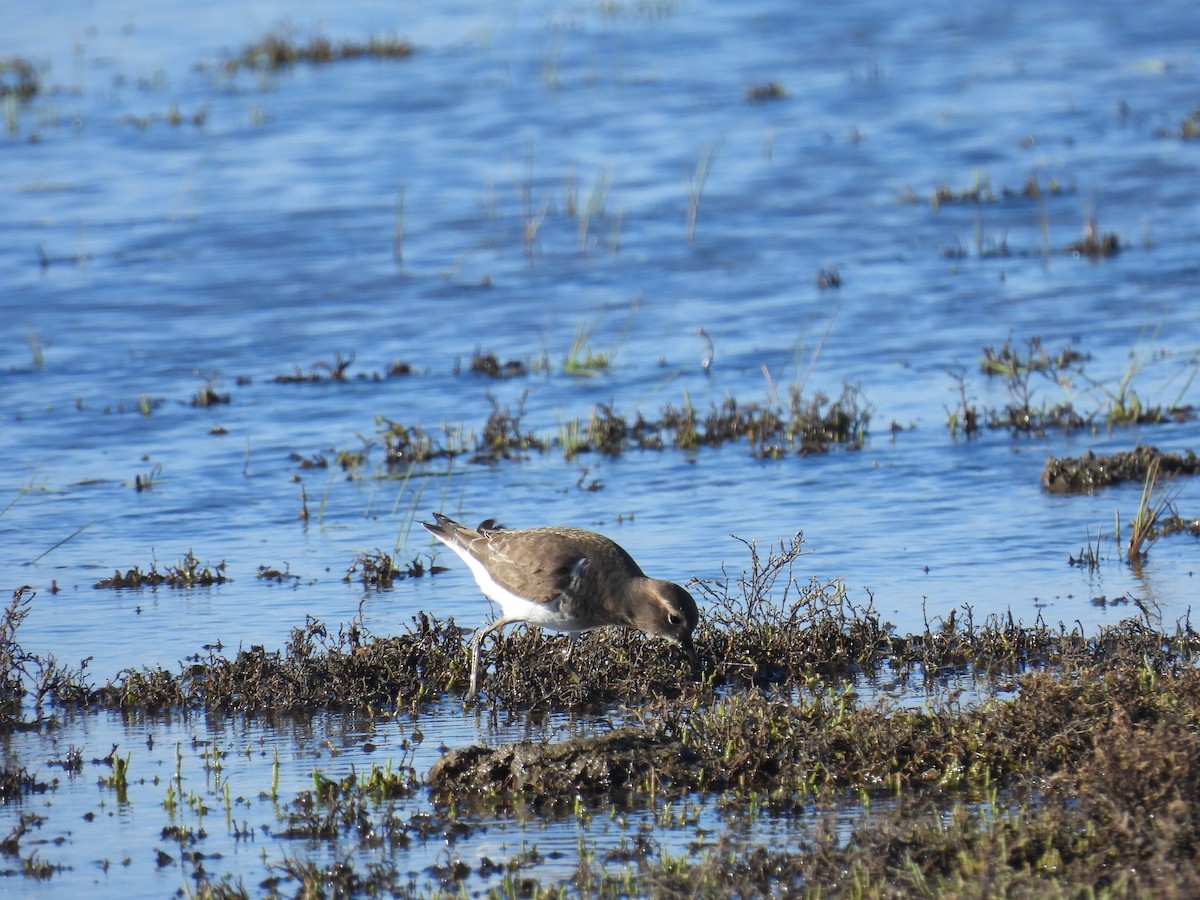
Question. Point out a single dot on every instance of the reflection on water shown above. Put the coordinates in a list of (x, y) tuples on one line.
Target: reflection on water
[(527, 177)]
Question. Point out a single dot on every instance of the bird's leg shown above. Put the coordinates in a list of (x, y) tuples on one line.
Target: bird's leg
[(476, 646), (475, 641), (573, 639)]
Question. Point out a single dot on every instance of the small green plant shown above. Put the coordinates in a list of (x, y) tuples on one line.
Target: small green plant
[(1143, 528), (1124, 405), (1094, 245), (34, 867), (695, 188), (686, 437), (580, 359), (384, 783), (964, 416), (1089, 554), (398, 228), (146, 482), (208, 395), (35, 347), (119, 779), (571, 439), (979, 191), (593, 208)]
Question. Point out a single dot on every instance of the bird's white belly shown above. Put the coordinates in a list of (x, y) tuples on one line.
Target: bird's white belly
[(544, 615)]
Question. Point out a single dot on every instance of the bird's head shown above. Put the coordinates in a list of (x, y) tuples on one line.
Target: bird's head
[(671, 614)]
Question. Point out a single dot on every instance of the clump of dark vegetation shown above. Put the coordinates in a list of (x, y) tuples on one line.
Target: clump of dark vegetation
[(146, 482), (980, 191), (502, 434), (763, 630), (1029, 412), (829, 278), (380, 570), (347, 669), (1082, 769), (1025, 413), (16, 783), (1114, 814), (174, 117), (187, 573), (1083, 474), (806, 426), (337, 371), (338, 806), (15, 662), (316, 461), (1034, 189), (320, 371), (22, 672), (278, 51), (1007, 360), (32, 866), (1174, 523), (209, 395), (759, 93), (794, 750), (1094, 244), (1189, 128), (18, 78), (1079, 771), (408, 444), (488, 364), (280, 576)]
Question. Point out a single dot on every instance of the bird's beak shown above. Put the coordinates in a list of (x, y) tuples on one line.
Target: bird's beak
[(690, 649)]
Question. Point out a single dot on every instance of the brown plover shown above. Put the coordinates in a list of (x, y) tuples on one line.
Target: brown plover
[(566, 579)]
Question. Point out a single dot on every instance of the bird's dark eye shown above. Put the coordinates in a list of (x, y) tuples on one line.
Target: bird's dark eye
[(672, 620)]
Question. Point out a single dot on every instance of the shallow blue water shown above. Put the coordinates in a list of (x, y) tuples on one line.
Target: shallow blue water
[(262, 240)]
